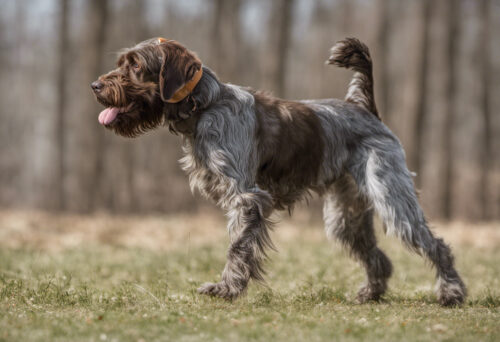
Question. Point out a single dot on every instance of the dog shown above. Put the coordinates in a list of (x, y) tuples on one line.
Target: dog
[(253, 153)]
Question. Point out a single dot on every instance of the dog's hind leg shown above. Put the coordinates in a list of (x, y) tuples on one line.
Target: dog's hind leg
[(388, 184), (349, 219)]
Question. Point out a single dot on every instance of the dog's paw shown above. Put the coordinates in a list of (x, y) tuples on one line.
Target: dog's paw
[(221, 290), (368, 294), (452, 294)]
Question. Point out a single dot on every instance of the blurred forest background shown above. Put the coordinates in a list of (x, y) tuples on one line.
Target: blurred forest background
[(437, 83)]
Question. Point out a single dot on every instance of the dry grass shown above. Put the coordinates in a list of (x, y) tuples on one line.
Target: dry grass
[(53, 232)]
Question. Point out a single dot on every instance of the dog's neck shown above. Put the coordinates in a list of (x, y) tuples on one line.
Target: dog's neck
[(182, 117)]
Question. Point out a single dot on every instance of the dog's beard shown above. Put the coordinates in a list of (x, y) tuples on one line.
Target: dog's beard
[(136, 121), (130, 114)]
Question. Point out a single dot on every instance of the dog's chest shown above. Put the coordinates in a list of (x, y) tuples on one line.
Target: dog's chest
[(210, 185)]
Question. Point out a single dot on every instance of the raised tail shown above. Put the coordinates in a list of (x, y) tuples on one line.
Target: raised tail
[(352, 54)]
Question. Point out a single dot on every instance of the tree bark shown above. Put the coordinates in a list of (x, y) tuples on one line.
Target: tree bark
[(421, 105), (226, 35), (61, 104), (451, 20), (140, 31), (347, 11), (98, 12), (486, 148), (284, 12), (217, 31), (383, 29)]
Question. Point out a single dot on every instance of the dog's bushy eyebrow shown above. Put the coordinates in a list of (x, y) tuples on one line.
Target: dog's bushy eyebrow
[(133, 57), (121, 60), (123, 54), (130, 56), (148, 53), (150, 57)]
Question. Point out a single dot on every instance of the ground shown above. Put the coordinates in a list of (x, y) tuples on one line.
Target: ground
[(105, 278)]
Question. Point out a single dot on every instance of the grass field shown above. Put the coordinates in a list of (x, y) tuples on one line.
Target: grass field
[(70, 278)]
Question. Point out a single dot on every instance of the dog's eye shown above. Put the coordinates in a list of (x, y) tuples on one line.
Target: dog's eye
[(136, 66)]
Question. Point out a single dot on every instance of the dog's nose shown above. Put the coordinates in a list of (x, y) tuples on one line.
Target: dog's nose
[(97, 86)]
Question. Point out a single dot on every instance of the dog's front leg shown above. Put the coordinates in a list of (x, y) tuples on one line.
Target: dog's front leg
[(249, 230)]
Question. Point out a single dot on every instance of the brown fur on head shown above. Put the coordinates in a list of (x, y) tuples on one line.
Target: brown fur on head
[(146, 77)]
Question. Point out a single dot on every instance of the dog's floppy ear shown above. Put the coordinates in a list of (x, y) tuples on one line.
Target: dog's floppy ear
[(179, 66)]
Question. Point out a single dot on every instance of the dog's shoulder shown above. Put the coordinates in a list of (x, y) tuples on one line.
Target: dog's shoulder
[(227, 124)]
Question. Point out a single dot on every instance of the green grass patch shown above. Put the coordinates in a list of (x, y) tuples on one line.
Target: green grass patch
[(111, 293)]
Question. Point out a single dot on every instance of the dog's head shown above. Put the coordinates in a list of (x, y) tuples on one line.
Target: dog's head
[(150, 77)]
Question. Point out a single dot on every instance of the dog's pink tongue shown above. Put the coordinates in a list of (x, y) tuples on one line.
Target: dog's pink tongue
[(108, 115)]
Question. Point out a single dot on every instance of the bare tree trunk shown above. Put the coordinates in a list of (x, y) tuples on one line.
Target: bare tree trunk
[(283, 12), (486, 148), (421, 105), (5, 152), (383, 29), (452, 18), (347, 16), (140, 31), (61, 104), (226, 35), (138, 12), (98, 15), (217, 31)]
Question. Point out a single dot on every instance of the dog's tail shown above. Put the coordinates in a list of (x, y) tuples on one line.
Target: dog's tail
[(352, 54)]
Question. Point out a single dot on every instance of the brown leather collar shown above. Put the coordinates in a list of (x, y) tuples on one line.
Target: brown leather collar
[(185, 90)]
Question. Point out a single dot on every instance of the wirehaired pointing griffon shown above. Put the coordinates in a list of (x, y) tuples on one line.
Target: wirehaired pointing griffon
[(252, 153)]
